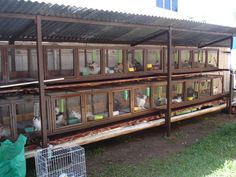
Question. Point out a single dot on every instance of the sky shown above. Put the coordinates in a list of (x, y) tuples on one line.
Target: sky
[(211, 11)]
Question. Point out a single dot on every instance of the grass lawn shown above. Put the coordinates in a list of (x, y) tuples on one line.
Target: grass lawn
[(214, 155)]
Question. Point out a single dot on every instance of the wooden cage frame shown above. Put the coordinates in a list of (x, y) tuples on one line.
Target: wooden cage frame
[(76, 77), (82, 94), (168, 71)]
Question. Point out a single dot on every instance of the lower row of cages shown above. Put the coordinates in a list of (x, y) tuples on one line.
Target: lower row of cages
[(67, 111), (19, 63)]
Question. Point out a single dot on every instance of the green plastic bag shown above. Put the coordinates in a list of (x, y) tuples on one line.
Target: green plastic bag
[(12, 158)]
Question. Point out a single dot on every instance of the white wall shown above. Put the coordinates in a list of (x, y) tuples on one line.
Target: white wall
[(233, 59), (224, 63)]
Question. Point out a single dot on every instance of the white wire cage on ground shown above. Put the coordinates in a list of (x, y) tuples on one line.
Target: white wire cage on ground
[(61, 162)]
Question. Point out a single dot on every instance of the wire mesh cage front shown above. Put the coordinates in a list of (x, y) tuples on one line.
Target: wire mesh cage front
[(61, 162)]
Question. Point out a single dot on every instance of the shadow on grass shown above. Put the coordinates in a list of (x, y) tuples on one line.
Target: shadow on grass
[(206, 157), (30, 166)]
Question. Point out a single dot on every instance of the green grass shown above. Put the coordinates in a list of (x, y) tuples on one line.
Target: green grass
[(94, 152), (214, 155)]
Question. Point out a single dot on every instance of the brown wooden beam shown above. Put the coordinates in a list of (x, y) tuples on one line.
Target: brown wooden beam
[(100, 42), (230, 91), (214, 42), (16, 15), (148, 37), (70, 40), (102, 23), (169, 82), (201, 31), (41, 81)]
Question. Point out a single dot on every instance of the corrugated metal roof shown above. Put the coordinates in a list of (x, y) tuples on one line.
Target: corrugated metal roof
[(20, 29)]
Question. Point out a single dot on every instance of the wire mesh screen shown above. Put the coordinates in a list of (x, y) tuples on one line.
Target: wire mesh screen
[(61, 162)]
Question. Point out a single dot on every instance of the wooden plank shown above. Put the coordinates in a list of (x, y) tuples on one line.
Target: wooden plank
[(198, 113), (16, 15), (41, 81), (30, 83), (169, 81)]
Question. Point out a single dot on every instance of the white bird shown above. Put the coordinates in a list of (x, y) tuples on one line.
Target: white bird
[(89, 114), (107, 70), (93, 68), (59, 117), (4, 131), (63, 175), (57, 110), (215, 90), (141, 101), (177, 100), (164, 100), (76, 115), (37, 123)]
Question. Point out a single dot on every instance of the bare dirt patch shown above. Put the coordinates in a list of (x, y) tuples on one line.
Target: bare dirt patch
[(152, 143)]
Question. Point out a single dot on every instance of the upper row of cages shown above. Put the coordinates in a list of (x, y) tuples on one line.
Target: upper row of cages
[(19, 63), (80, 109)]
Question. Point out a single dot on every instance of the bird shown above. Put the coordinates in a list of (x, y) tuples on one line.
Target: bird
[(75, 114), (215, 90), (37, 123), (141, 101), (59, 117), (177, 100), (4, 131)]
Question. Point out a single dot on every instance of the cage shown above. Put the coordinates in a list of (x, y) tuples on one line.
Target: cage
[(205, 88), (212, 58), (199, 59), (22, 63), (135, 60), (185, 58), (5, 122), (27, 116), (177, 92), (61, 162), (114, 61), (60, 62), (121, 102), (159, 95), (175, 60), (142, 98), (89, 62), (33, 63), (96, 106), (217, 85), (67, 111), (154, 59), (192, 89)]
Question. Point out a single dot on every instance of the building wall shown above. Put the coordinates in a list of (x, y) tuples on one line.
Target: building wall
[(224, 63)]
